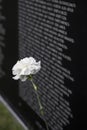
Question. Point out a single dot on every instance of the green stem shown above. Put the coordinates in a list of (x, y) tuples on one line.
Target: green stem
[(40, 105), (39, 102)]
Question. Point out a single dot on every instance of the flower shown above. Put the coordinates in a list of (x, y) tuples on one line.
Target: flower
[(25, 67)]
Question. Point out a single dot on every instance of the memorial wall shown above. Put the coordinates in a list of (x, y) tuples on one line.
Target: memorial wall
[(54, 31)]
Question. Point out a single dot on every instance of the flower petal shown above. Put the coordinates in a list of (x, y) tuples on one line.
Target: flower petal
[(16, 71), (23, 68), (16, 77)]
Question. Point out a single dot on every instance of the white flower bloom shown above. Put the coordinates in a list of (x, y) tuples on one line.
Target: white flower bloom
[(25, 67)]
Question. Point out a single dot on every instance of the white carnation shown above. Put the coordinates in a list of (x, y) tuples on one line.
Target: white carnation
[(25, 67)]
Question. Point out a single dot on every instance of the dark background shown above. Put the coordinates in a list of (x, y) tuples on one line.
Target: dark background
[(7, 85)]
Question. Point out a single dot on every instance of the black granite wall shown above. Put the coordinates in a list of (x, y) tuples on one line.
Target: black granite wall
[(54, 31)]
